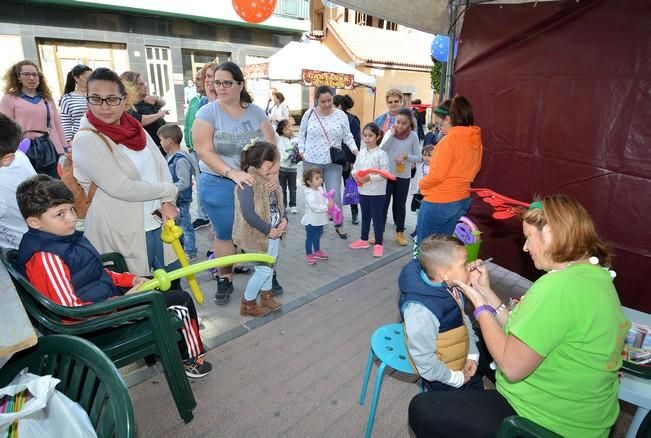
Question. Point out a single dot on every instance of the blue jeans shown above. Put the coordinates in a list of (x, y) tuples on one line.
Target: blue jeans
[(217, 195), (439, 218), (185, 222), (261, 278), (155, 255), (313, 238)]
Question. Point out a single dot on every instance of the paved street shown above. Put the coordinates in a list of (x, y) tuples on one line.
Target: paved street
[(302, 282)]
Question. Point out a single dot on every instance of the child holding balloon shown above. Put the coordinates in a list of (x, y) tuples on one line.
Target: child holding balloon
[(316, 215), (260, 222), (372, 188), (66, 268)]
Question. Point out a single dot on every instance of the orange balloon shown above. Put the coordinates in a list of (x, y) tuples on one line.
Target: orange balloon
[(254, 11)]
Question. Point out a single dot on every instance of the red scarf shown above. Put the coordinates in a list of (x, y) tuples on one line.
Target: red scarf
[(402, 135), (129, 132)]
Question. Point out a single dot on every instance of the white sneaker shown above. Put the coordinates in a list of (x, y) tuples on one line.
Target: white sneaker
[(293, 210)]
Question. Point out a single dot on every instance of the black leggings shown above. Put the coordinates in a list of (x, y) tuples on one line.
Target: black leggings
[(399, 190), (458, 413), (288, 181)]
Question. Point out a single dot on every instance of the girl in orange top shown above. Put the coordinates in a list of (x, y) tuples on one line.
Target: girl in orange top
[(454, 166)]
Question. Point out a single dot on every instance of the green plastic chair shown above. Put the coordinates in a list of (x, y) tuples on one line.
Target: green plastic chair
[(520, 427), (87, 376), (127, 328)]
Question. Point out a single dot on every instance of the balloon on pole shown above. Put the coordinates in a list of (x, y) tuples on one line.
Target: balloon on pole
[(254, 11), (441, 47)]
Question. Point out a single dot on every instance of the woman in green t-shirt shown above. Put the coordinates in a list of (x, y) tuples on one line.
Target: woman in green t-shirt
[(559, 350)]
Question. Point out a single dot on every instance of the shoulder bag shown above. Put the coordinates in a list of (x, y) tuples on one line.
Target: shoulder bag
[(42, 153), (337, 155)]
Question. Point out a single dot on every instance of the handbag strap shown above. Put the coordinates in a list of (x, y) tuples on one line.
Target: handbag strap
[(47, 122), (100, 135), (47, 108), (322, 127)]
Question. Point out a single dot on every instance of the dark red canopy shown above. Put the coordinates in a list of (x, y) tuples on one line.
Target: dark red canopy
[(562, 92)]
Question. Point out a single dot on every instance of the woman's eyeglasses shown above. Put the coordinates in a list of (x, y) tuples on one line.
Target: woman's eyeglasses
[(110, 101), (225, 84), (29, 74)]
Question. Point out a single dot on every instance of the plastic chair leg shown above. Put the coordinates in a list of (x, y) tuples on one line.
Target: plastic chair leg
[(376, 396), (178, 382), (640, 413), (367, 374)]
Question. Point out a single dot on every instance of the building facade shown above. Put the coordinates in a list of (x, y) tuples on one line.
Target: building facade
[(166, 41), (398, 57)]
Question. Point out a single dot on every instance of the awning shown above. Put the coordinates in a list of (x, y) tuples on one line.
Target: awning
[(432, 16), (291, 62)]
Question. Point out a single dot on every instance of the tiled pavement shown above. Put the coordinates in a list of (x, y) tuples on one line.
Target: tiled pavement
[(301, 282)]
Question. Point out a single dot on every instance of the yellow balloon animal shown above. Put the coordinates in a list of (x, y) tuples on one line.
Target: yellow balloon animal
[(162, 280)]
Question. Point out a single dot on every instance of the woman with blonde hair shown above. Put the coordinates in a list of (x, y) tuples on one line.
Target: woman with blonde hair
[(147, 109), (558, 351), (28, 101), (394, 100)]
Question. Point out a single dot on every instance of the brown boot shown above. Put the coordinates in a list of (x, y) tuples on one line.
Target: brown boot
[(251, 308), (267, 300)]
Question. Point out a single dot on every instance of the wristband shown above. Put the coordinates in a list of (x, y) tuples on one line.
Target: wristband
[(500, 309), (484, 308)]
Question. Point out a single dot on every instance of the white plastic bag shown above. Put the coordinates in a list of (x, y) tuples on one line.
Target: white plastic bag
[(48, 414)]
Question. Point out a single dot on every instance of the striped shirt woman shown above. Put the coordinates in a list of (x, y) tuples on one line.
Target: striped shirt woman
[(73, 103)]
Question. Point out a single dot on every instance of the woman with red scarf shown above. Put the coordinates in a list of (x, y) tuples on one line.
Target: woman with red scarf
[(114, 153)]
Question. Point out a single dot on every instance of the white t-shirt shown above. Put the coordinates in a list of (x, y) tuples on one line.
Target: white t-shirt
[(144, 162), (12, 224)]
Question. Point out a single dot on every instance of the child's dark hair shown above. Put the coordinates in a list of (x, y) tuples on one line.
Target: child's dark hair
[(258, 153), (10, 135), (281, 127), (407, 113), (40, 193), (436, 251), (171, 131), (309, 174), (375, 129), (427, 150), (76, 71)]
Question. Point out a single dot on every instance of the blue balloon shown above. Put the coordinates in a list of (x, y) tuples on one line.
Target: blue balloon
[(440, 47)]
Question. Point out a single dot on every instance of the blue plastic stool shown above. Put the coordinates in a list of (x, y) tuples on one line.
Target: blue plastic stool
[(388, 345)]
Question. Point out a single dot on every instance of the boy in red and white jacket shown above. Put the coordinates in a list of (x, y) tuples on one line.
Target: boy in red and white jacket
[(65, 267)]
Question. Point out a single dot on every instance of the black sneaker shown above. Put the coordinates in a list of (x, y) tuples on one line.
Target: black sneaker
[(197, 368), (224, 291), (241, 270), (200, 223), (276, 288), (355, 219)]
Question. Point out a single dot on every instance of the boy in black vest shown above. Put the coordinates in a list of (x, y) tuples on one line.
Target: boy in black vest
[(440, 338), (65, 267)]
